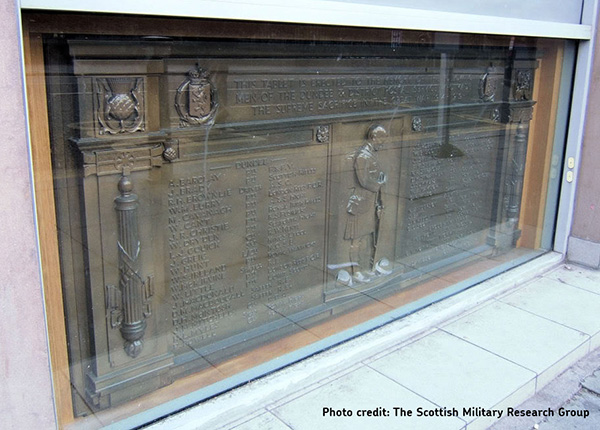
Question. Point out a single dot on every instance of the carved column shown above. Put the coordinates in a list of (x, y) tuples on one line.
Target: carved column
[(516, 112), (515, 179), (131, 311), (521, 114)]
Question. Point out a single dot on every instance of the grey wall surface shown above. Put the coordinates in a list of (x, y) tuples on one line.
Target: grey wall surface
[(586, 224), (25, 382), (584, 244)]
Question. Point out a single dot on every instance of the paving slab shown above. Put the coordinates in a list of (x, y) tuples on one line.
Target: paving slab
[(582, 412), (554, 395), (562, 303), (266, 421), (577, 276), (361, 390), (533, 342), (453, 373), (592, 382)]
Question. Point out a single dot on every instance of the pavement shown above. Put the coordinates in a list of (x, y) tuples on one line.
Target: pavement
[(576, 389), (522, 348)]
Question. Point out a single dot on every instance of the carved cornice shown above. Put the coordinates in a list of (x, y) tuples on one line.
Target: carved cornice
[(113, 161), (518, 114)]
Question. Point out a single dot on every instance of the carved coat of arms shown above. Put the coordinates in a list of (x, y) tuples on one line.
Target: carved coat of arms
[(523, 87), (196, 100)]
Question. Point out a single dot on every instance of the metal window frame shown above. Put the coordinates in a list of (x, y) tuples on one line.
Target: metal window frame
[(576, 127), (326, 12)]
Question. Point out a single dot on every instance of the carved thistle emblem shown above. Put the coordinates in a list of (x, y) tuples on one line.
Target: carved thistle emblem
[(120, 105), (196, 101)]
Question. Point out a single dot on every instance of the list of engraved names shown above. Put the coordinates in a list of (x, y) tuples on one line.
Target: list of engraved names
[(244, 243)]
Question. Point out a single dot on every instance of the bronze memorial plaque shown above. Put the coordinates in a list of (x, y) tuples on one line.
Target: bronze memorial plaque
[(215, 197)]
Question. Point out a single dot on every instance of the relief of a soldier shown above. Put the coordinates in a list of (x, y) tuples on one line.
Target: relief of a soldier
[(365, 210)]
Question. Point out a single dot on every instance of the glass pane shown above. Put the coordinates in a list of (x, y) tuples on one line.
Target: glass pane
[(235, 196)]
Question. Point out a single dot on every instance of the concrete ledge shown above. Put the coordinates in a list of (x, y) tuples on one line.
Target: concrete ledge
[(584, 252)]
